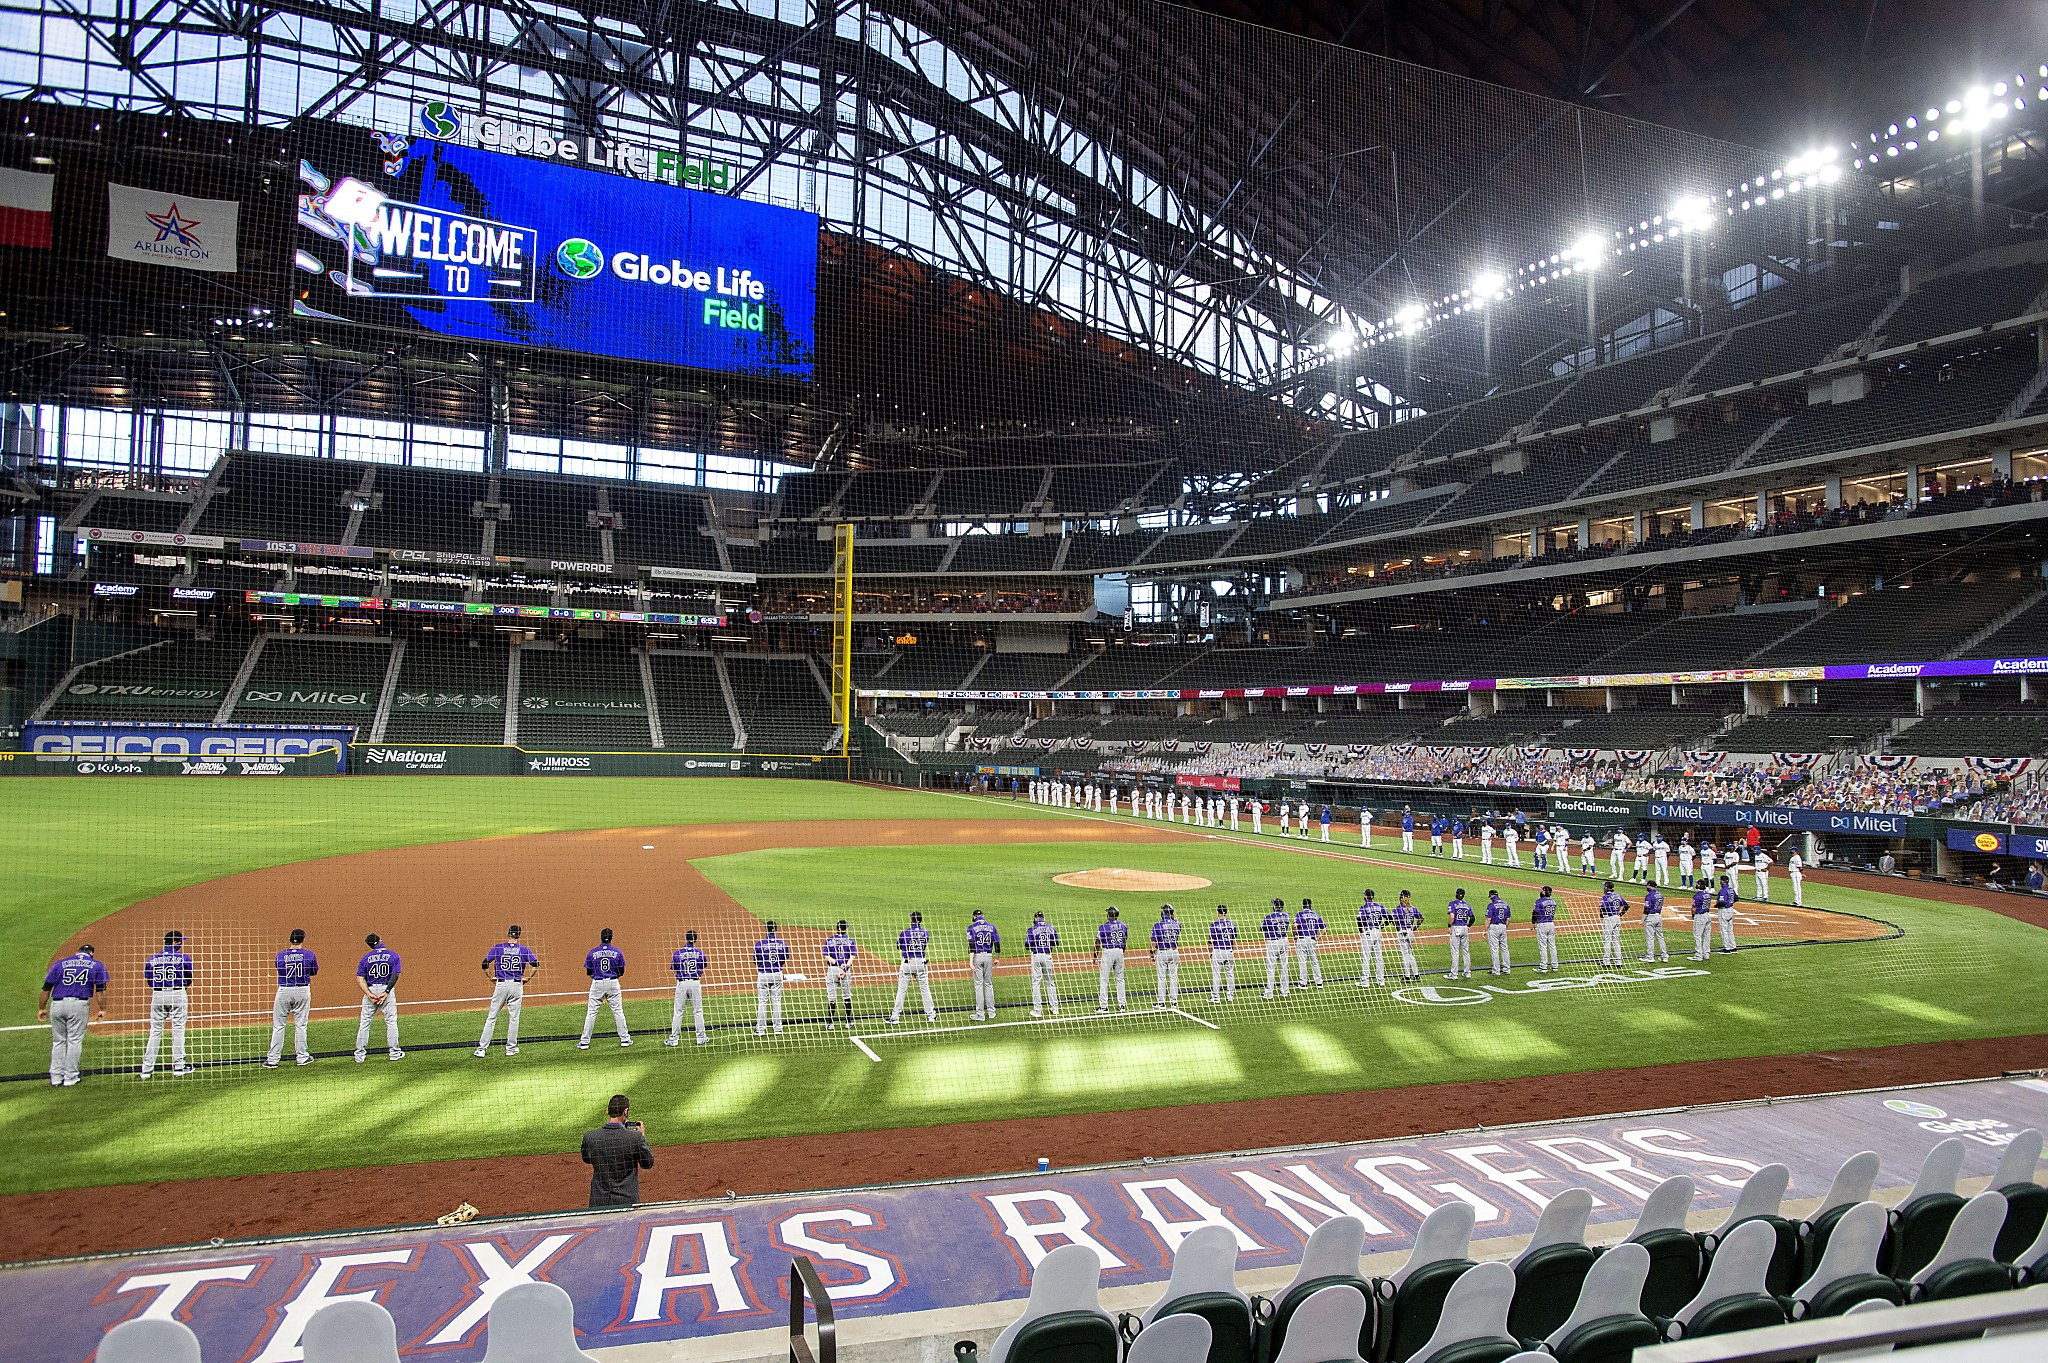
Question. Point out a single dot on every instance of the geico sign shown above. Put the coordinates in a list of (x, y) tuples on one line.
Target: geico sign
[(183, 745), (1468, 996)]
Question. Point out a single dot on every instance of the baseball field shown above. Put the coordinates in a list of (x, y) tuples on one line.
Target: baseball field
[(440, 865)]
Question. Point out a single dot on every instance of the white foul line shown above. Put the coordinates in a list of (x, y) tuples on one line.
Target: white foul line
[(1192, 1018), (864, 1050)]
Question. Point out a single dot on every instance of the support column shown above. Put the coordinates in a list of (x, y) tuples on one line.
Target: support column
[(1696, 516), (1834, 492)]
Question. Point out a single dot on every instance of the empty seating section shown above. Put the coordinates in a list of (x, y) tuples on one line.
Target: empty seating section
[(1567, 643), (281, 497), (2023, 636), (586, 696), (449, 691), (1375, 451), (550, 519), (1278, 535), (690, 704), (1689, 642), (1022, 671), (805, 494), (425, 509), (1645, 726), (800, 552), (161, 514), (988, 492), (1237, 667), (1122, 727), (1970, 391), (781, 705), (663, 528), (1710, 445), (323, 680), (1092, 549), (1974, 734), (1957, 302), (1481, 423), (1004, 554), (1190, 546), (1388, 517), (1803, 729), (1514, 726), (1551, 478), (1902, 623), (1390, 726), (183, 682), (1623, 385), (1100, 489), (1133, 669), (1066, 726), (1789, 343), (883, 560), (933, 667), (890, 493), (916, 723), (995, 723)]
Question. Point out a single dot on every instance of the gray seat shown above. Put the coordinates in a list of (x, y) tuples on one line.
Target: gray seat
[(1474, 1325), (2031, 1263), (1963, 1265), (1676, 1259), (1171, 1339), (149, 1341), (1923, 1215), (1551, 1269), (1329, 1259), (1852, 1185), (2026, 1202), (1762, 1199), (1203, 1285), (1411, 1299), (1847, 1275), (1607, 1324), (1734, 1295), (351, 1332), (1326, 1327), (1063, 1321), (533, 1323)]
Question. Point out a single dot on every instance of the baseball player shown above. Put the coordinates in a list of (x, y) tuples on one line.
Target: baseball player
[(1612, 907), (1543, 916), (1642, 862), (1372, 962), (1724, 905), (1406, 919), (296, 967), (1589, 859), (509, 965), (1111, 936), (1497, 915), (1661, 851), (1041, 939), (1258, 817), (377, 977), (1617, 860), (1222, 957), (1762, 869), (1286, 815), (1541, 858), (70, 987), (1460, 915), (1166, 958), (605, 964), (839, 951), (1702, 921), (169, 975), (983, 945), (1512, 837), (687, 965), (1796, 869), (1276, 926), (1686, 853), (1308, 926), (1407, 828), (1653, 926), (1234, 802), (771, 954), (913, 944), (1364, 827), (1486, 832), (1458, 838), (1437, 825), (1709, 859), (1324, 818)]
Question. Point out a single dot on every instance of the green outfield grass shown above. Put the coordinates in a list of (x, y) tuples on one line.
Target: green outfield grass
[(91, 846)]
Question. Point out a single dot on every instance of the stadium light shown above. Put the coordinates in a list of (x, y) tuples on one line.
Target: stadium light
[(353, 203), (1589, 250), (1691, 213), (1488, 284)]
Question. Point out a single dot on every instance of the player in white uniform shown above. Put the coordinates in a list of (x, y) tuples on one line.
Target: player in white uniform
[(1486, 832), (1710, 857), (1617, 862), (1642, 866), (1512, 836), (1685, 859), (1589, 859), (1364, 827), (1258, 817), (1796, 869), (1762, 868), (1660, 851)]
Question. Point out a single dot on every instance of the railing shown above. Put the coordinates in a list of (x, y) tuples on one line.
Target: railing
[(1922, 1323), (804, 1285)]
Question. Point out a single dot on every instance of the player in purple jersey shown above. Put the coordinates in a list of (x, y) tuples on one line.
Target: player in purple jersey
[(169, 977), (1702, 920), (983, 945), (296, 967), (687, 965), (1497, 915), (72, 986), (1111, 936), (377, 977), (1724, 904), (839, 951), (913, 944), (1459, 913), (1222, 957), (1166, 958), (508, 966), (1612, 908), (1041, 939), (1407, 918), (1276, 927), (1543, 917), (1653, 925), (1372, 960), (1308, 926), (771, 954), (605, 964)]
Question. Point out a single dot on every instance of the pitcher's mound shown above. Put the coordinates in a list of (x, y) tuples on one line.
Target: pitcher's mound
[(1119, 878)]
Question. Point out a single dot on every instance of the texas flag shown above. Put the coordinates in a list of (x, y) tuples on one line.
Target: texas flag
[(25, 208)]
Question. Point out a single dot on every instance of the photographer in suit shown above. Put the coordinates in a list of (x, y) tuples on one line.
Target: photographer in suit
[(616, 1153)]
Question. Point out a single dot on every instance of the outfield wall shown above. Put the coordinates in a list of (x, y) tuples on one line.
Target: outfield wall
[(463, 759)]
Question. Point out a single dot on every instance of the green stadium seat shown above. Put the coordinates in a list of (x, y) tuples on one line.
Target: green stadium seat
[(1327, 1326), (1329, 1259), (1734, 1296), (1473, 1327), (1676, 1260), (2026, 1202), (1847, 1275), (1552, 1267), (1063, 1322), (1607, 1324), (1412, 1299), (1203, 1284), (1182, 1338), (1760, 1200), (1922, 1217), (1963, 1266), (1852, 1186)]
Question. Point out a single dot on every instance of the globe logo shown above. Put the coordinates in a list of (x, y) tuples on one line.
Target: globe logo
[(438, 120), (579, 258)]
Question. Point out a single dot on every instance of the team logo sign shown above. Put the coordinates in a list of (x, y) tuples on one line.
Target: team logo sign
[(579, 258), (1911, 1108), (440, 120)]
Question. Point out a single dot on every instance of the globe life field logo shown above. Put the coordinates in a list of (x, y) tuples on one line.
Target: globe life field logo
[(440, 121), (579, 258), (735, 301)]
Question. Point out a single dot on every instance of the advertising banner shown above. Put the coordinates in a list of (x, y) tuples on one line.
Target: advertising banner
[(362, 699), (480, 608), (485, 246), (178, 741), (1788, 820), (1188, 782), (324, 763), (2031, 846), (464, 759), (183, 231), (181, 695), (609, 703), (1585, 807)]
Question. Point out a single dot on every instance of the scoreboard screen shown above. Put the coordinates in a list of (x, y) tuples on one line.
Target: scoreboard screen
[(432, 236)]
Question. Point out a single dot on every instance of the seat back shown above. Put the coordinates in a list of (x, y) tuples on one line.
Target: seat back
[(1331, 1252), (1853, 1182), (351, 1332), (1563, 1222), (1667, 1206), (2017, 1164), (149, 1341), (1843, 1295), (1613, 1339), (1613, 1287), (1232, 1334), (1738, 1269), (533, 1323), (1476, 1351), (1475, 1310), (1206, 1262), (1939, 1171), (1411, 1317), (1446, 1233), (1917, 1228), (2026, 1202), (2032, 1262), (1547, 1284), (1064, 1337), (1325, 1327), (1971, 1236), (1762, 1195), (1066, 1283), (1851, 1250), (1746, 1311), (1964, 1278), (1172, 1339), (1675, 1266)]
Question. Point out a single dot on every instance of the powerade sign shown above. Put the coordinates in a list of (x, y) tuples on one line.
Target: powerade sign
[(480, 246), (2029, 845), (122, 741), (1781, 818)]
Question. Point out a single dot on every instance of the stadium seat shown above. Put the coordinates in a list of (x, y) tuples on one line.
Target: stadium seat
[(1412, 1300), (533, 1323), (2026, 1202), (1474, 1325), (1176, 1339), (1963, 1266), (1675, 1256), (1734, 1296), (1063, 1322), (1327, 1326), (351, 1332), (1852, 1185), (1847, 1275), (1607, 1324), (1923, 1214), (1551, 1269), (2031, 1263), (1203, 1285), (1760, 1200), (149, 1341), (1330, 1258), (1875, 1351)]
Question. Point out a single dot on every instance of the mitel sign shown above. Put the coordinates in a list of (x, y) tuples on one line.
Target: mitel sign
[(443, 122)]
